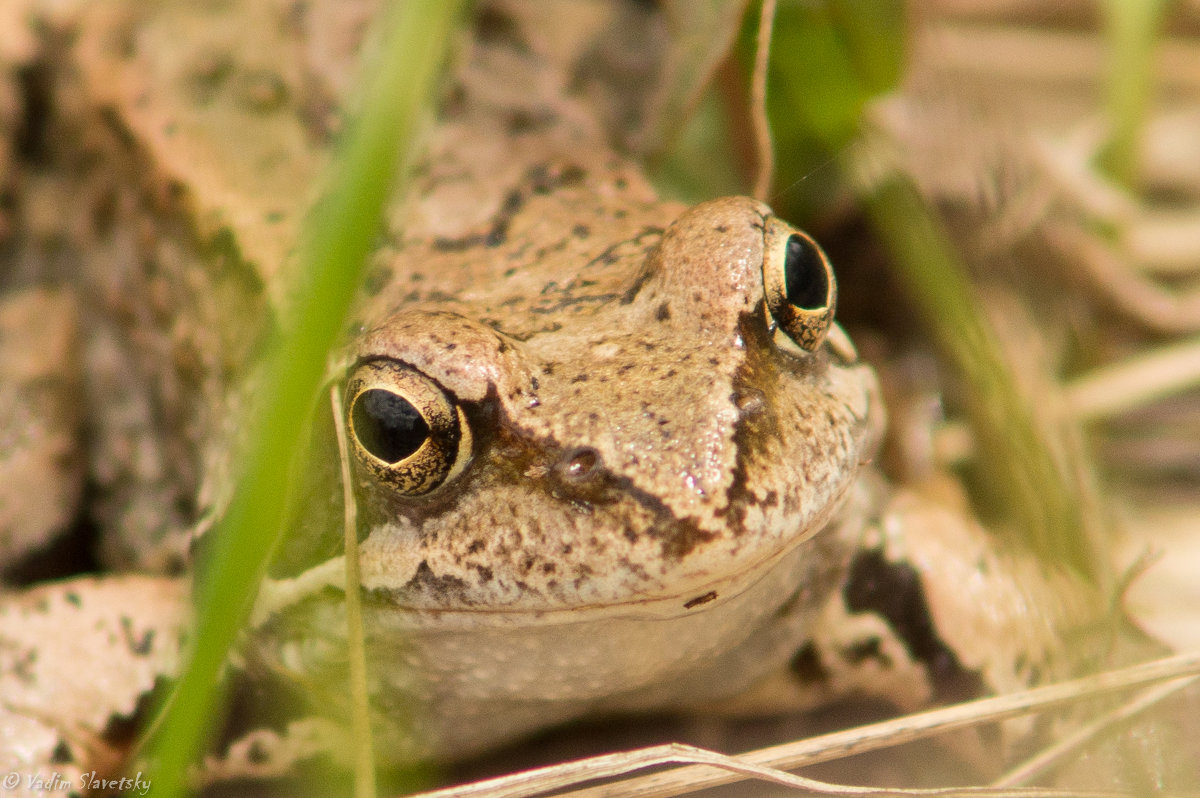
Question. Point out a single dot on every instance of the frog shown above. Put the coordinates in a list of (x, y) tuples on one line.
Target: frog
[(610, 454)]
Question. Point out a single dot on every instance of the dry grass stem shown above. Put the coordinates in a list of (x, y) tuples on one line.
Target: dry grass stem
[(1145, 378), (763, 148), (700, 773), (1012, 53), (356, 653), (610, 765), (1154, 306), (1045, 760)]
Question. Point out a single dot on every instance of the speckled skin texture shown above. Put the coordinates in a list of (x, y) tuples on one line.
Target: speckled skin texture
[(651, 460), (710, 446)]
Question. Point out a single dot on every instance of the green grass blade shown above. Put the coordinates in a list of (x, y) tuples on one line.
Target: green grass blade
[(1022, 474), (331, 258), (1132, 28)]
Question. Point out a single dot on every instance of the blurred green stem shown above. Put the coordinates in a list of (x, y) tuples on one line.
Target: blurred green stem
[(1132, 28), (331, 258), (1022, 476)]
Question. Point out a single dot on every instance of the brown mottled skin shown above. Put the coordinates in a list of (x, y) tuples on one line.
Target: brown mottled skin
[(715, 448), (647, 487), (662, 499), (642, 437)]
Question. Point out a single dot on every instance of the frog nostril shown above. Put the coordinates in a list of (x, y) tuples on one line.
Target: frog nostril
[(580, 464), (749, 402)]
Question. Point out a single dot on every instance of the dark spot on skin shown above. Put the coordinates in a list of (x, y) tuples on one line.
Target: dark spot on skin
[(457, 244), (498, 234), (140, 646), (257, 753), (35, 87), (579, 378), (894, 591), (572, 303), (424, 580), (571, 175), (721, 228), (475, 547), (608, 257), (523, 121), (630, 535), (701, 599), (494, 26), (510, 272), (863, 650), (549, 568), (581, 231), (485, 573), (621, 183), (806, 665), (23, 667), (543, 178), (539, 178), (634, 568), (557, 246), (663, 312), (681, 538), (512, 203), (73, 599)]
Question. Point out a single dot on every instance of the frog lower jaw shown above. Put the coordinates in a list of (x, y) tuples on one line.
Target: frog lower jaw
[(683, 650)]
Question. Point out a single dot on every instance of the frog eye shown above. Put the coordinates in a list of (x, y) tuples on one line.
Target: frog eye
[(405, 429), (798, 280)]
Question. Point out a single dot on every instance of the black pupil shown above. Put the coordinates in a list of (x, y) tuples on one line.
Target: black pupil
[(387, 425), (804, 274)]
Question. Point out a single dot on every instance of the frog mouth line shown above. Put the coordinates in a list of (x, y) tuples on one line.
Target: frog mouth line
[(699, 594)]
